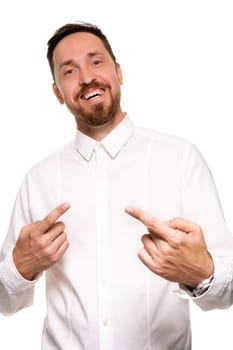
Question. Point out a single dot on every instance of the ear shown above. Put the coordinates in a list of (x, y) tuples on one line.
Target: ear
[(119, 73), (58, 94)]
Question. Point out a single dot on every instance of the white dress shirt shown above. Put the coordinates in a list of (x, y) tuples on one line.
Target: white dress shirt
[(99, 295)]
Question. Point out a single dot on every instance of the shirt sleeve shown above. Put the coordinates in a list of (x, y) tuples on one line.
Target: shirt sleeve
[(15, 292), (201, 204)]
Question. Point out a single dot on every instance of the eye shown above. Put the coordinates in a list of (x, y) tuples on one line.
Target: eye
[(69, 71), (97, 62)]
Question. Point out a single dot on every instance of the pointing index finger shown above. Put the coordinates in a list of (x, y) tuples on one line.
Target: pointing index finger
[(140, 214), (54, 215), (154, 226)]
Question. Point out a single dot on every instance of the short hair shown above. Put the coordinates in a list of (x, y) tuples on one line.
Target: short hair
[(71, 28)]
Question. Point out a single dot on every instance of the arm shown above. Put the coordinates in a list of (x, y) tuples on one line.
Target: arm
[(189, 250), (24, 258)]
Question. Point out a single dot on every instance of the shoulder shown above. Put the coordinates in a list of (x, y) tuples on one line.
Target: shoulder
[(155, 135), (51, 161), (166, 146), (161, 139)]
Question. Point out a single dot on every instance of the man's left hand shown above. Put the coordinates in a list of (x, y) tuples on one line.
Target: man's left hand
[(175, 250)]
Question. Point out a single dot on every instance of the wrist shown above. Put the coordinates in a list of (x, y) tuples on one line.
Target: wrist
[(23, 268), (202, 287)]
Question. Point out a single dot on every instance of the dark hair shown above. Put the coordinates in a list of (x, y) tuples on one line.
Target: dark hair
[(71, 28)]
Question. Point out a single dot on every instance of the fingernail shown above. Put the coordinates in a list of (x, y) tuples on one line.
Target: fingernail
[(65, 205), (129, 210)]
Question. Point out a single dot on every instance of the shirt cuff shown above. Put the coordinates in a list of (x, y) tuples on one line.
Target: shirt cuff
[(222, 277), (11, 278), (217, 288)]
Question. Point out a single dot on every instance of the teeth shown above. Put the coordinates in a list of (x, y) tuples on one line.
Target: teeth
[(93, 93)]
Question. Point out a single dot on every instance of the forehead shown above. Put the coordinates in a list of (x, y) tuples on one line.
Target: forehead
[(77, 45)]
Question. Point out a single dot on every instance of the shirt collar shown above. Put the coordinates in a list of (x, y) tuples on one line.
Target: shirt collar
[(112, 143)]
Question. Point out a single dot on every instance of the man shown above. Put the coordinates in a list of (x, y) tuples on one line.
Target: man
[(111, 185)]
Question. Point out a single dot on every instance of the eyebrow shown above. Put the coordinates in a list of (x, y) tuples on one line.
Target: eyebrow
[(71, 61)]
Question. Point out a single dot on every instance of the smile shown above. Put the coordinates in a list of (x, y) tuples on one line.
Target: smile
[(92, 94)]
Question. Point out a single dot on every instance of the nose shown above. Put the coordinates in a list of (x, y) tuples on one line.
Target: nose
[(85, 76)]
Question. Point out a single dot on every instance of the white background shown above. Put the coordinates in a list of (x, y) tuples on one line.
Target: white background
[(177, 61)]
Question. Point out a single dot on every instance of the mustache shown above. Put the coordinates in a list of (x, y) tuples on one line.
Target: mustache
[(85, 87)]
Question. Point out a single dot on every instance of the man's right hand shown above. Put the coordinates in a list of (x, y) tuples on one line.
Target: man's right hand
[(41, 244)]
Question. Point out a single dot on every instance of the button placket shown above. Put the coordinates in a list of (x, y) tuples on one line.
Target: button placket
[(102, 244)]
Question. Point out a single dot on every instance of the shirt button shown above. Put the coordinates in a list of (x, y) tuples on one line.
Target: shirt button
[(105, 322)]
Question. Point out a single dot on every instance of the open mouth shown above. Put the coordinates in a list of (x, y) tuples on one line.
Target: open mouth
[(93, 94)]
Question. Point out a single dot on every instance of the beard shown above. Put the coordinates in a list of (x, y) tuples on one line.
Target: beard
[(99, 113)]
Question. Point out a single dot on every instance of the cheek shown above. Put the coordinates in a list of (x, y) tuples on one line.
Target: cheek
[(68, 92), (117, 86), (114, 81)]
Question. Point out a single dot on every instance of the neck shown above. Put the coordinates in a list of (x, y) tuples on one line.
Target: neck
[(99, 132)]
